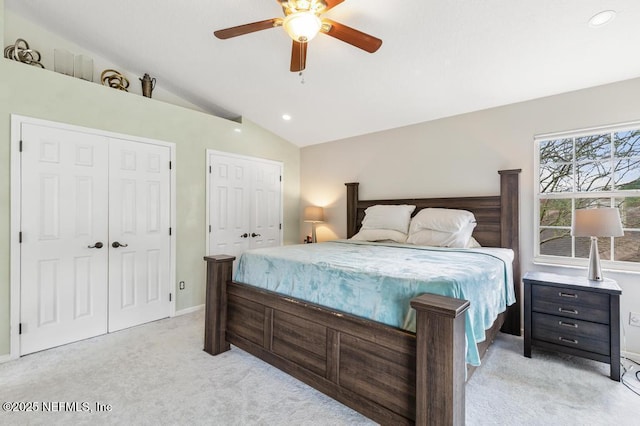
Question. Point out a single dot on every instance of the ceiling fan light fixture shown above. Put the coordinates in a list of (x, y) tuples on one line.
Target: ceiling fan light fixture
[(302, 23), (302, 26), (315, 6)]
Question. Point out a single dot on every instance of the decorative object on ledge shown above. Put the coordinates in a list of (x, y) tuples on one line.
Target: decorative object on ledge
[(21, 52), (148, 84), (113, 78), (80, 66), (63, 61), (83, 67)]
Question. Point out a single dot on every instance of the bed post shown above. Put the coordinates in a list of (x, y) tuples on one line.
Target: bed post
[(510, 237), (440, 359), (219, 269), (352, 208)]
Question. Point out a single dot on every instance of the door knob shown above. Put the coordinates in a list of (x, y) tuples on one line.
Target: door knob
[(253, 234), (97, 245), (245, 235), (117, 244)]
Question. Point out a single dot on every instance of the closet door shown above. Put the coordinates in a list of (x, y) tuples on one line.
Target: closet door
[(94, 219), (265, 218), (139, 249), (229, 205), (244, 203), (64, 249)]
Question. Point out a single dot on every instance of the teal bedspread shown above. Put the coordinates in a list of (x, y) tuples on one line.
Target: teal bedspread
[(377, 281)]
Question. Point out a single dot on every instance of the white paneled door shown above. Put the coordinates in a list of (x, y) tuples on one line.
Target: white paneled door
[(229, 200), (245, 203), (267, 205), (64, 237), (95, 235), (139, 240)]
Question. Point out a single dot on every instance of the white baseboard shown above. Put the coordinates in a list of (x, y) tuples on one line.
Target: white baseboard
[(631, 355), (5, 358), (189, 310)]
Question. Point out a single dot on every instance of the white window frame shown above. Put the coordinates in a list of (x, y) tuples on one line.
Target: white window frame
[(573, 262)]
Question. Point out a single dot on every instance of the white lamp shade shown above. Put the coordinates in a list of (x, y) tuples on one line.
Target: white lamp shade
[(313, 214), (302, 26), (602, 222)]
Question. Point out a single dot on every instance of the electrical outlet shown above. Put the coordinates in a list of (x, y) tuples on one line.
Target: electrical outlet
[(634, 319), (181, 286)]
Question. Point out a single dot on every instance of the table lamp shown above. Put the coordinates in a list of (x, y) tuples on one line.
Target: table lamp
[(594, 223), (314, 215)]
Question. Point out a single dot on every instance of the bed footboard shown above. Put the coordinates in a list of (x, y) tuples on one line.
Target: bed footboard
[(390, 375)]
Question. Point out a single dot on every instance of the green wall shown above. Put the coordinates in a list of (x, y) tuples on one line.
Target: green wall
[(33, 92), (2, 23)]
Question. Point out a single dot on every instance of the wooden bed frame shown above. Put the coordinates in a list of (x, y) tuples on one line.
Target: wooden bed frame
[(390, 375)]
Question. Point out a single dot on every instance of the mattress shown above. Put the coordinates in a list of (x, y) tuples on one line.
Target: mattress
[(377, 280)]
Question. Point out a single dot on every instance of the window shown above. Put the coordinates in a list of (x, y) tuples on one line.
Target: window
[(587, 169)]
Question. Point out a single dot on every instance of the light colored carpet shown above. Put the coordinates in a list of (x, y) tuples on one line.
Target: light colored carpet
[(549, 388), (158, 374)]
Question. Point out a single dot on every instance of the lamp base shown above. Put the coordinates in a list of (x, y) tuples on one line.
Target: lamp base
[(313, 233), (595, 272)]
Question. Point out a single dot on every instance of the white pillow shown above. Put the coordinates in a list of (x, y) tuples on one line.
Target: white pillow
[(445, 220), (380, 235), (394, 217), (431, 237), (473, 243)]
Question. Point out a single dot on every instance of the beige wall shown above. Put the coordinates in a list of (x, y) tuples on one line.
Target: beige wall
[(461, 156), (30, 91)]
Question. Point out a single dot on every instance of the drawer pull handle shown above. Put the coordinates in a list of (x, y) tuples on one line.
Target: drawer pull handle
[(571, 295), (563, 339), (568, 311), (568, 324)]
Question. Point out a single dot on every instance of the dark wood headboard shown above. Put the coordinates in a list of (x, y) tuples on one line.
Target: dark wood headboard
[(497, 217)]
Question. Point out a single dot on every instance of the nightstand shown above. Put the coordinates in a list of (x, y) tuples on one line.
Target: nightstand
[(573, 315)]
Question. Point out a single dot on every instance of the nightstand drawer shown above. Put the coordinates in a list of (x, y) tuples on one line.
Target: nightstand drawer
[(571, 303), (583, 335)]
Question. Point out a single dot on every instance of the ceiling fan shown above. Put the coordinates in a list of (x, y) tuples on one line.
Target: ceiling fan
[(302, 22)]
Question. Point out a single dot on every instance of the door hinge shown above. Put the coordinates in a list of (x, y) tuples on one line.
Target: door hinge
[(280, 178), (169, 165), (20, 328), (280, 226), (209, 228), (20, 146), (169, 297), (169, 231), (209, 169), (20, 237)]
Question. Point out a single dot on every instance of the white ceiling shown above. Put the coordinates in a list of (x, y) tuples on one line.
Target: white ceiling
[(438, 58)]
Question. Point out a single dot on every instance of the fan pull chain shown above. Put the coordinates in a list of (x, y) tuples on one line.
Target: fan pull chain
[(302, 59)]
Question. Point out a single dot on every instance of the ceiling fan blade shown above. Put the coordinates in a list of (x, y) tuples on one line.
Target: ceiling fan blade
[(247, 28), (331, 4), (298, 56), (352, 36)]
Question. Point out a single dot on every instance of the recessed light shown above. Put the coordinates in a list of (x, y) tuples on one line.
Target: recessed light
[(286, 117), (237, 130), (602, 18)]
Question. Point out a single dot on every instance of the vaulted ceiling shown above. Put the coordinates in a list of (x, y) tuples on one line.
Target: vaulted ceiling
[(438, 58)]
